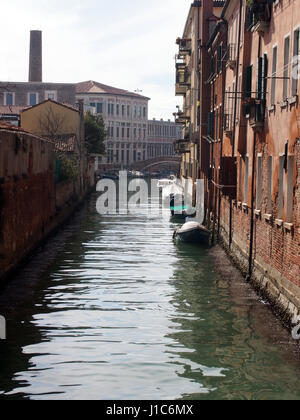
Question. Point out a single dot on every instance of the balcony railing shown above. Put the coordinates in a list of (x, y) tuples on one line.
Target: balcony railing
[(231, 54), (180, 90), (183, 75), (228, 123), (257, 116), (185, 46), (182, 146), (258, 16)]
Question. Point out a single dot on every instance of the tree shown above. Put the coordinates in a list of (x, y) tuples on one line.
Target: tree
[(95, 134)]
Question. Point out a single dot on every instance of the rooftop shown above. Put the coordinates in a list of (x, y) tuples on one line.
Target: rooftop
[(94, 87)]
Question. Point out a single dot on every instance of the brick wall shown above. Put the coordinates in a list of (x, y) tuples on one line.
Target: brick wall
[(276, 247), (27, 194)]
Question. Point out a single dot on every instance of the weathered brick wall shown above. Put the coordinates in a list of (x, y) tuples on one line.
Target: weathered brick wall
[(276, 248), (64, 191), (27, 194)]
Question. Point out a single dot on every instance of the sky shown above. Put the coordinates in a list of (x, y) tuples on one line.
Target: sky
[(128, 44)]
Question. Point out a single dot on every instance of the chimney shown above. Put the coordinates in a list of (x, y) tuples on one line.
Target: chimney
[(35, 57)]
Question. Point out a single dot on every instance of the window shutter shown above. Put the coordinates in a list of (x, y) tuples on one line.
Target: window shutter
[(259, 80), (247, 82)]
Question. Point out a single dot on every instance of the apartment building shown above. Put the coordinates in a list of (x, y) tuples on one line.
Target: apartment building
[(126, 118), (162, 136), (249, 147), (192, 74)]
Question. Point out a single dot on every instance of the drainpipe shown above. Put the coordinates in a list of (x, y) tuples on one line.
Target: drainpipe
[(222, 132), (253, 192), (235, 108), (250, 269)]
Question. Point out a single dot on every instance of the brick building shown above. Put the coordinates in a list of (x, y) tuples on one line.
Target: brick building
[(249, 139)]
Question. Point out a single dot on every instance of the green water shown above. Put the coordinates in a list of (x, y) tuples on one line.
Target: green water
[(111, 309)]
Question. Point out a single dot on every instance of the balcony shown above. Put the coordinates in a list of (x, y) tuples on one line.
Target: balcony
[(183, 78), (231, 56), (182, 146), (228, 124), (180, 90), (185, 46), (258, 16), (257, 116)]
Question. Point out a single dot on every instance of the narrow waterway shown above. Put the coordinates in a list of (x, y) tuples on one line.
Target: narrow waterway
[(111, 309)]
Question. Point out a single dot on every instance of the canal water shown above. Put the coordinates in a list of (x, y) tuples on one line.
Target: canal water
[(110, 308)]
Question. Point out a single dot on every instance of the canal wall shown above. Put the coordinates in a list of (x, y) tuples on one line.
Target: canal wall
[(276, 251), (31, 205)]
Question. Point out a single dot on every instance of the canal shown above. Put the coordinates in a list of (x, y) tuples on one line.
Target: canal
[(110, 308)]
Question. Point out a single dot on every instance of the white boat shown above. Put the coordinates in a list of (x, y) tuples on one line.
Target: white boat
[(192, 232), (163, 183)]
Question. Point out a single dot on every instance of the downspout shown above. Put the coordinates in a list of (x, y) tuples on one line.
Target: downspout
[(222, 131), (248, 278), (235, 108), (253, 192)]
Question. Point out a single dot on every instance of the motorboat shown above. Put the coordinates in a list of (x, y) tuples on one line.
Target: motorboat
[(192, 232), (178, 208), (163, 183)]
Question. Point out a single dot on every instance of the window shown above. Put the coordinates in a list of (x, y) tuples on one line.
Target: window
[(286, 69), (128, 133), (110, 109), (295, 74), (274, 75), (118, 109), (128, 110), (290, 188), (280, 188), (262, 74), (123, 110), (246, 180), (270, 184), (32, 99), (9, 99), (51, 94), (259, 182), (99, 108), (247, 89), (144, 112)]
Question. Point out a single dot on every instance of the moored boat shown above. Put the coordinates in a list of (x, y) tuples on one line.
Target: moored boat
[(192, 232)]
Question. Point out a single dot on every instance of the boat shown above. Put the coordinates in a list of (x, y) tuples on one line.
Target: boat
[(192, 232), (163, 183), (180, 211)]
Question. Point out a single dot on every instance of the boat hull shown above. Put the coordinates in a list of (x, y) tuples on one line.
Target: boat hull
[(195, 234)]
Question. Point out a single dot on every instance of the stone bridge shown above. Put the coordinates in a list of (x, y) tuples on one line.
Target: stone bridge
[(157, 164)]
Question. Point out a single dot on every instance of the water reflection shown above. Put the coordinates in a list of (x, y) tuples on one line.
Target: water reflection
[(111, 309)]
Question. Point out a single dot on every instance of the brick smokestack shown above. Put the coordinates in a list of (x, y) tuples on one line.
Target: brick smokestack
[(35, 57)]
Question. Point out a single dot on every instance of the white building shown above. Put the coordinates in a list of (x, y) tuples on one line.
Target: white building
[(126, 117), (161, 138)]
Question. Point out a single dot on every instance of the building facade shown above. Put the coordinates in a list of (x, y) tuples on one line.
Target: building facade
[(16, 96), (192, 83), (162, 136), (126, 118), (249, 139)]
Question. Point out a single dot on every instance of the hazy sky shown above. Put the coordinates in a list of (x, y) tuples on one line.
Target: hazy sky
[(129, 44)]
